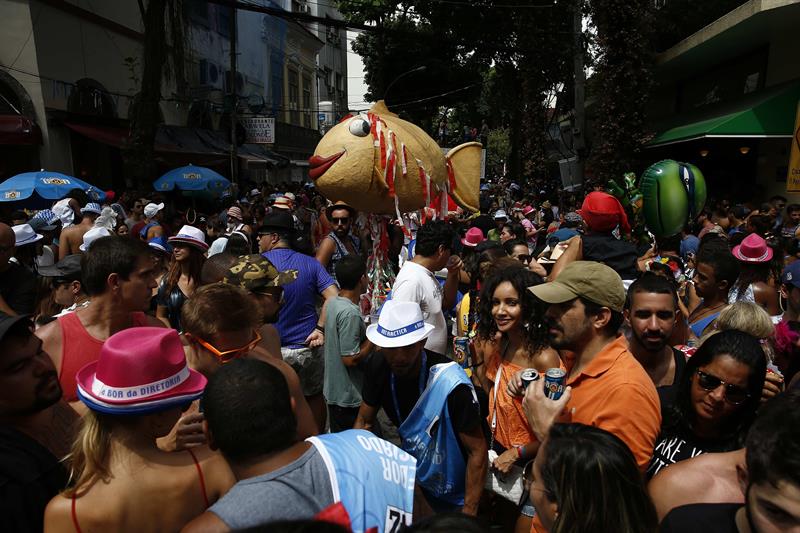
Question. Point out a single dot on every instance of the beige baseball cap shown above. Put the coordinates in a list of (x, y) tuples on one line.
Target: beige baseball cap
[(594, 281)]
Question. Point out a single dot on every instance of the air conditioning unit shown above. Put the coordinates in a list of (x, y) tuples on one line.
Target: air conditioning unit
[(209, 74)]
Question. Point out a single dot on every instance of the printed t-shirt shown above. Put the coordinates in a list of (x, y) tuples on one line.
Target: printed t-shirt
[(298, 316), (344, 333), (415, 283), (614, 393)]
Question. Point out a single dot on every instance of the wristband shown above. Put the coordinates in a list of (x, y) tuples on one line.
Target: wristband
[(320, 329)]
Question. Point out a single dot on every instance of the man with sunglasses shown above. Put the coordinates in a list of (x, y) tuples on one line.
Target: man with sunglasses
[(302, 331), (340, 242), (770, 480), (221, 323), (136, 221), (68, 290), (262, 281)]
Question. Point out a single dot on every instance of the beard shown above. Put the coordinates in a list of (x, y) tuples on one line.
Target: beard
[(45, 395), (651, 343)]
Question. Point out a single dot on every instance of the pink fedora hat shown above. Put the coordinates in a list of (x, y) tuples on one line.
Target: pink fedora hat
[(753, 249), (192, 236), (140, 370), (473, 237), (527, 210)]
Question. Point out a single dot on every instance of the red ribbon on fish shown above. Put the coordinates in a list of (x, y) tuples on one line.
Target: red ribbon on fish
[(403, 157), (391, 162)]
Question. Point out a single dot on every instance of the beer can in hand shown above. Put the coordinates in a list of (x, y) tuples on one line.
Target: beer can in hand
[(528, 376), (554, 381)]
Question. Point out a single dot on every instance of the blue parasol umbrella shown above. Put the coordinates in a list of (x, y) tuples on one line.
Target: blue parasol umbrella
[(44, 185), (192, 178)]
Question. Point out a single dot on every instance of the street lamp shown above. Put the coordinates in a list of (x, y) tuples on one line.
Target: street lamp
[(412, 71)]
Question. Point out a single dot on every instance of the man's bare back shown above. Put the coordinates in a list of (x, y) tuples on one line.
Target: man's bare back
[(71, 238), (707, 478)]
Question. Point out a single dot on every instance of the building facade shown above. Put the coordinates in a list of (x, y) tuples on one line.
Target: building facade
[(725, 100), (70, 72)]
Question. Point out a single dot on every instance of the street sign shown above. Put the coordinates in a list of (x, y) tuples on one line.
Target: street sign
[(260, 130)]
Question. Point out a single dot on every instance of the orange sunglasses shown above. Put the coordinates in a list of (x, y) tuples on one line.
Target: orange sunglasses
[(229, 355)]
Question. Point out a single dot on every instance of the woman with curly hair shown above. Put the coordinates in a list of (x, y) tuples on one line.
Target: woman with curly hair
[(511, 338)]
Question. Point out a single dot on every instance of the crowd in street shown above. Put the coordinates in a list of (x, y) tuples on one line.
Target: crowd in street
[(533, 368)]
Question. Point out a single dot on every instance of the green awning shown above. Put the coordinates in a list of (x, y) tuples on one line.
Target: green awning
[(770, 113)]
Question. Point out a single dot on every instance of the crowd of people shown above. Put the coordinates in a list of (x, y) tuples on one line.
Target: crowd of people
[(534, 367)]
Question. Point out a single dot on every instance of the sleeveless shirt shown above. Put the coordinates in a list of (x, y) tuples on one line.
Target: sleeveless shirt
[(79, 348)]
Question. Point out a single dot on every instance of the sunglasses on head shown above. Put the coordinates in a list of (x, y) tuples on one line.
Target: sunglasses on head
[(229, 355), (734, 394)]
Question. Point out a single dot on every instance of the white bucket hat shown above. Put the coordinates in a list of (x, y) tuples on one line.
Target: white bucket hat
[(92, 235), (24, 234), (191, 236), (399, 324), (92, 207), (151, 209)]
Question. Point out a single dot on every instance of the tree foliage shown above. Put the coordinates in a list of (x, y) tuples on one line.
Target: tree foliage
[(623, 80), (164, 55), (485, 61)]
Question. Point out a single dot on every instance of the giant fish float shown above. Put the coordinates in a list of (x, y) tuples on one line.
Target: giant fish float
[(379, 163)]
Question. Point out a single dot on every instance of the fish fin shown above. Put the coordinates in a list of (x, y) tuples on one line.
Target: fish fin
[(466, 161), (379, 108)]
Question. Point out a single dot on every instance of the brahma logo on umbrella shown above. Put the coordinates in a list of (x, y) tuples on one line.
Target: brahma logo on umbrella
[(193, 176), (55, 181), (11, 195)]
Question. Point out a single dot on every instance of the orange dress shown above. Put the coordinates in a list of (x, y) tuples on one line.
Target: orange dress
[(512, 427)]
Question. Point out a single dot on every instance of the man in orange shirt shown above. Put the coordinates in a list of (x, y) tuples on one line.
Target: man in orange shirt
[(606, 387)]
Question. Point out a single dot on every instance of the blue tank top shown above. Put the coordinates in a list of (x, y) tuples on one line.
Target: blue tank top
[(427, 434), (373, 478)]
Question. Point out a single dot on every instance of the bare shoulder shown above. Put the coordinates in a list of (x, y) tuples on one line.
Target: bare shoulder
[(219, 476), (679, 484), (57, 515), (207, 522), (547, 358), (49, 332), (270, 342), (51, 341)]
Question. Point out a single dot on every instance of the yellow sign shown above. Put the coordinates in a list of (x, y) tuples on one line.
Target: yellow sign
[(793, 175)]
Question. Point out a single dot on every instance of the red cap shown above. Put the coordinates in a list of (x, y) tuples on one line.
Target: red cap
[(602, 212)]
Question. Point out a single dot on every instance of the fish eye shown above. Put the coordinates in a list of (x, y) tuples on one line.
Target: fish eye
[(359, 127)]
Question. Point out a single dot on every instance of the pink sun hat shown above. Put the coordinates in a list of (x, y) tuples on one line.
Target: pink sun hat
[(527, 210), (753, 249), (473, 237), (140, 370)]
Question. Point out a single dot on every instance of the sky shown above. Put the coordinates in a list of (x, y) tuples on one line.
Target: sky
[(355, 77)]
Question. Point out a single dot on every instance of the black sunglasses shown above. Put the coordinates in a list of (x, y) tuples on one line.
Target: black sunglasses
[(734, 394), (337, 220), (524, 258)]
